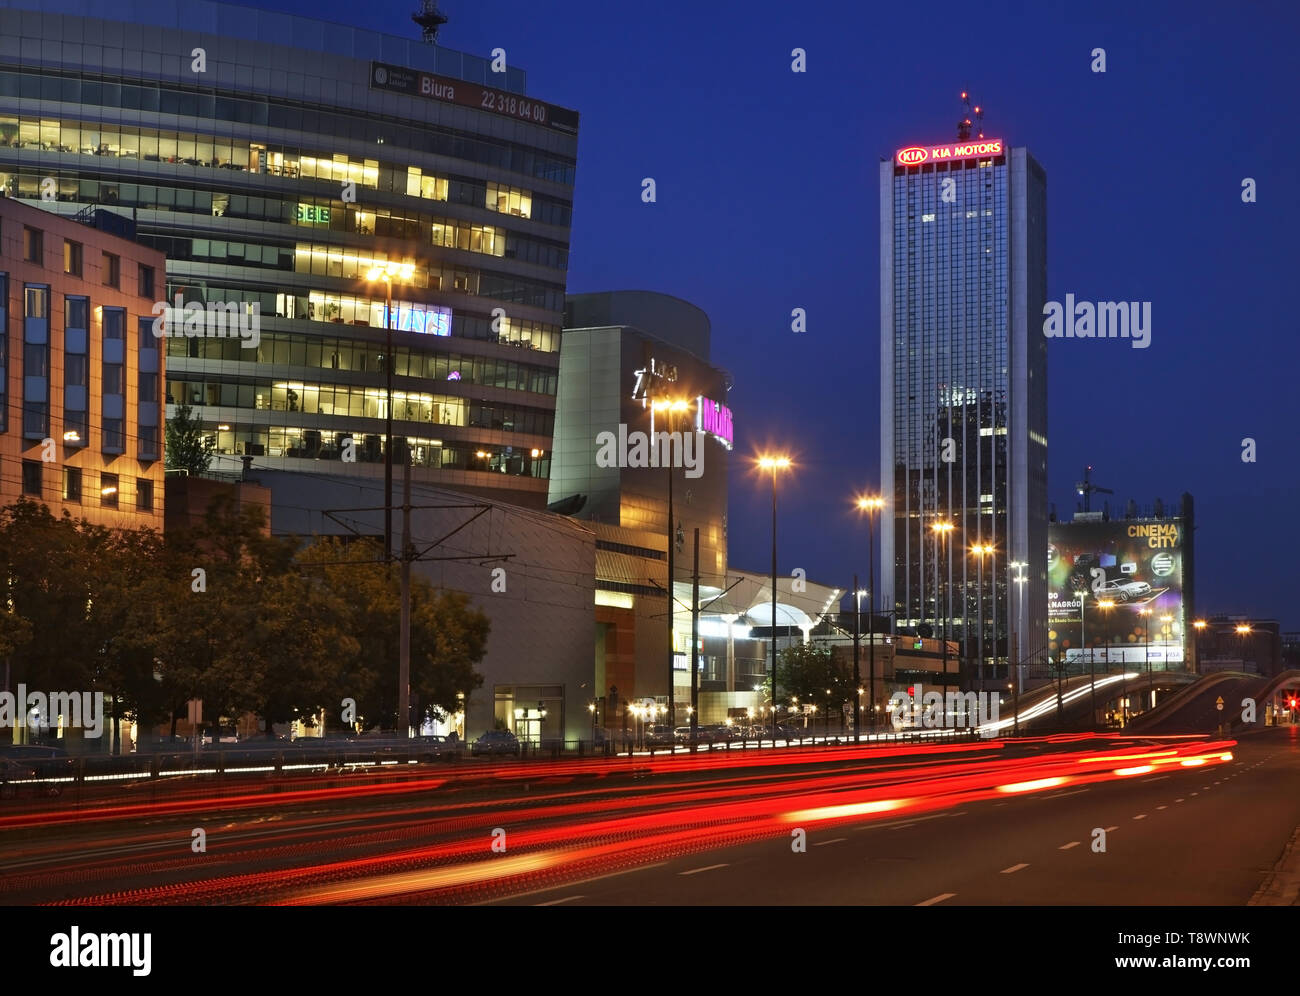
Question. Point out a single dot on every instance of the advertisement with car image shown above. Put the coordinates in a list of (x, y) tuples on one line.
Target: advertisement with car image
[(1119, 587)]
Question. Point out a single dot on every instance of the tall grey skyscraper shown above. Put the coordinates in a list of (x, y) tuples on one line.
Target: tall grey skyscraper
[(963, 396)]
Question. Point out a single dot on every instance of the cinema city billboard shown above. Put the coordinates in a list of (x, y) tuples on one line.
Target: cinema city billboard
[(1137, 566)]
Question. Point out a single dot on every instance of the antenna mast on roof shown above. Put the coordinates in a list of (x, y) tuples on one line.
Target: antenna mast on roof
[(971, 117), (430, 19)]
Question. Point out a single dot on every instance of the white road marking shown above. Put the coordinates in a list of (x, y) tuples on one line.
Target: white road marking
[(557, 888), (937, 899), (1015, 868), (1066, 795), (1178, 800), (823, 843), (1109, 829), (1140, 816), (556, 902), (706, 868), (1162, 807), (1066, 847)]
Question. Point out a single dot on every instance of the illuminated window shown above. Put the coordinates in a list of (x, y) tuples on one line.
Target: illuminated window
[(509, 200)]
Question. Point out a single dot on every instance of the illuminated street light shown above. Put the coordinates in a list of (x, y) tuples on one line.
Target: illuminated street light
[(773, 462), (941, 530), (388, 272), (870, 504), (671, 407), (981, 550)]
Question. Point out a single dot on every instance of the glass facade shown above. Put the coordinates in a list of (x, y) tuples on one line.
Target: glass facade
[(278, 189), (950, 423)]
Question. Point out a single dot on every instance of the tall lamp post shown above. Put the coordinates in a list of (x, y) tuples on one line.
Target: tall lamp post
[(1013, 642), (981, 550), (670, 407), (1146, 644), (941, 531), (389, 272), (1106, 604), (1199, 626), (774, 463), (1083, 638), (870, 504)]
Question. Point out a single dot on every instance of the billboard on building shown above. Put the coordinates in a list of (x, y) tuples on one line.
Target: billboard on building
[(1136, 565)]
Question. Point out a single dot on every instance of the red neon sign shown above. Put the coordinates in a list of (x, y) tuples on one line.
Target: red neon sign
[(915, 155)]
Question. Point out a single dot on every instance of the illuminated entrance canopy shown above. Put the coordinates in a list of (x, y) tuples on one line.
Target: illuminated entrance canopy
[(915, 155)]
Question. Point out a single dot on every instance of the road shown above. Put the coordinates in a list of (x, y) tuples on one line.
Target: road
[(986, 822), (1189, 837)]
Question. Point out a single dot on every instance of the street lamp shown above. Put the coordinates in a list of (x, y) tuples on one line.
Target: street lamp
[(774, 463), (1105, 603), (389, 272), (941, 531), (980, 550), (1014, 649), (1092, 667), (1146, 643), (670, 407), (870, 504)]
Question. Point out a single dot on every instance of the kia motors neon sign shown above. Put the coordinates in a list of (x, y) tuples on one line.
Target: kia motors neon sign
[(915, 155)]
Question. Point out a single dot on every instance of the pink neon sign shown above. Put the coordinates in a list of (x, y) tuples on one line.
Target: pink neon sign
[(715, 419)]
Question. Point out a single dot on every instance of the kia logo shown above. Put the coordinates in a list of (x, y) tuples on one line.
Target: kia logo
[(913, 156)]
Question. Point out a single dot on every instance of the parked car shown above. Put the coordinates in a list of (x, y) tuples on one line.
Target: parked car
[(495, 742), (660, 735), (703, 735), (1124, 590)]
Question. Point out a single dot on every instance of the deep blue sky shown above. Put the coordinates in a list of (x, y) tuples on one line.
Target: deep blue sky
[(767, 200)]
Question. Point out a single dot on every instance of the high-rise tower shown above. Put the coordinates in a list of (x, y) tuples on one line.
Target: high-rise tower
[(963, 420)]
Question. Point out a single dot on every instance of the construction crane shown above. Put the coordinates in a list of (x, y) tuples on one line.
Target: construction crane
[(1087, 488)]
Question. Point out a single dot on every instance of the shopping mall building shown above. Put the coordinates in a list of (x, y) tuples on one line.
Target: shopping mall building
[(277, 161)]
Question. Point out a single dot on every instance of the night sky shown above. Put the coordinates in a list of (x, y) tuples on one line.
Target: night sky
[(767, 201)]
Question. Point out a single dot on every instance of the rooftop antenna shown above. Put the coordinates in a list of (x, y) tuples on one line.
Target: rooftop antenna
[(972, 117), (430, 19), (1086, 488)]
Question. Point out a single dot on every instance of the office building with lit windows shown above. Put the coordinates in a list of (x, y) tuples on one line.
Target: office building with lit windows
[(963, 387), (80, 370), (277, 160)]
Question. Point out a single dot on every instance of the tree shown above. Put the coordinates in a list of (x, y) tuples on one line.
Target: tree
[(187, 449), (806, 671), (448, 636)]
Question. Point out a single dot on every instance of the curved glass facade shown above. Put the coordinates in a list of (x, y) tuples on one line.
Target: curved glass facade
[(275, 177)]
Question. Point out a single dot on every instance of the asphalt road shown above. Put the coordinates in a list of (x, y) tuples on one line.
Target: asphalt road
[(1186, 837)]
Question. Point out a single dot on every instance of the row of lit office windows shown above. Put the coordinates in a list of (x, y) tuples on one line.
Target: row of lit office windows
[(329, 353), (318, 214), (369, 129), (359, 402), (189, 149), (349, 447)]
